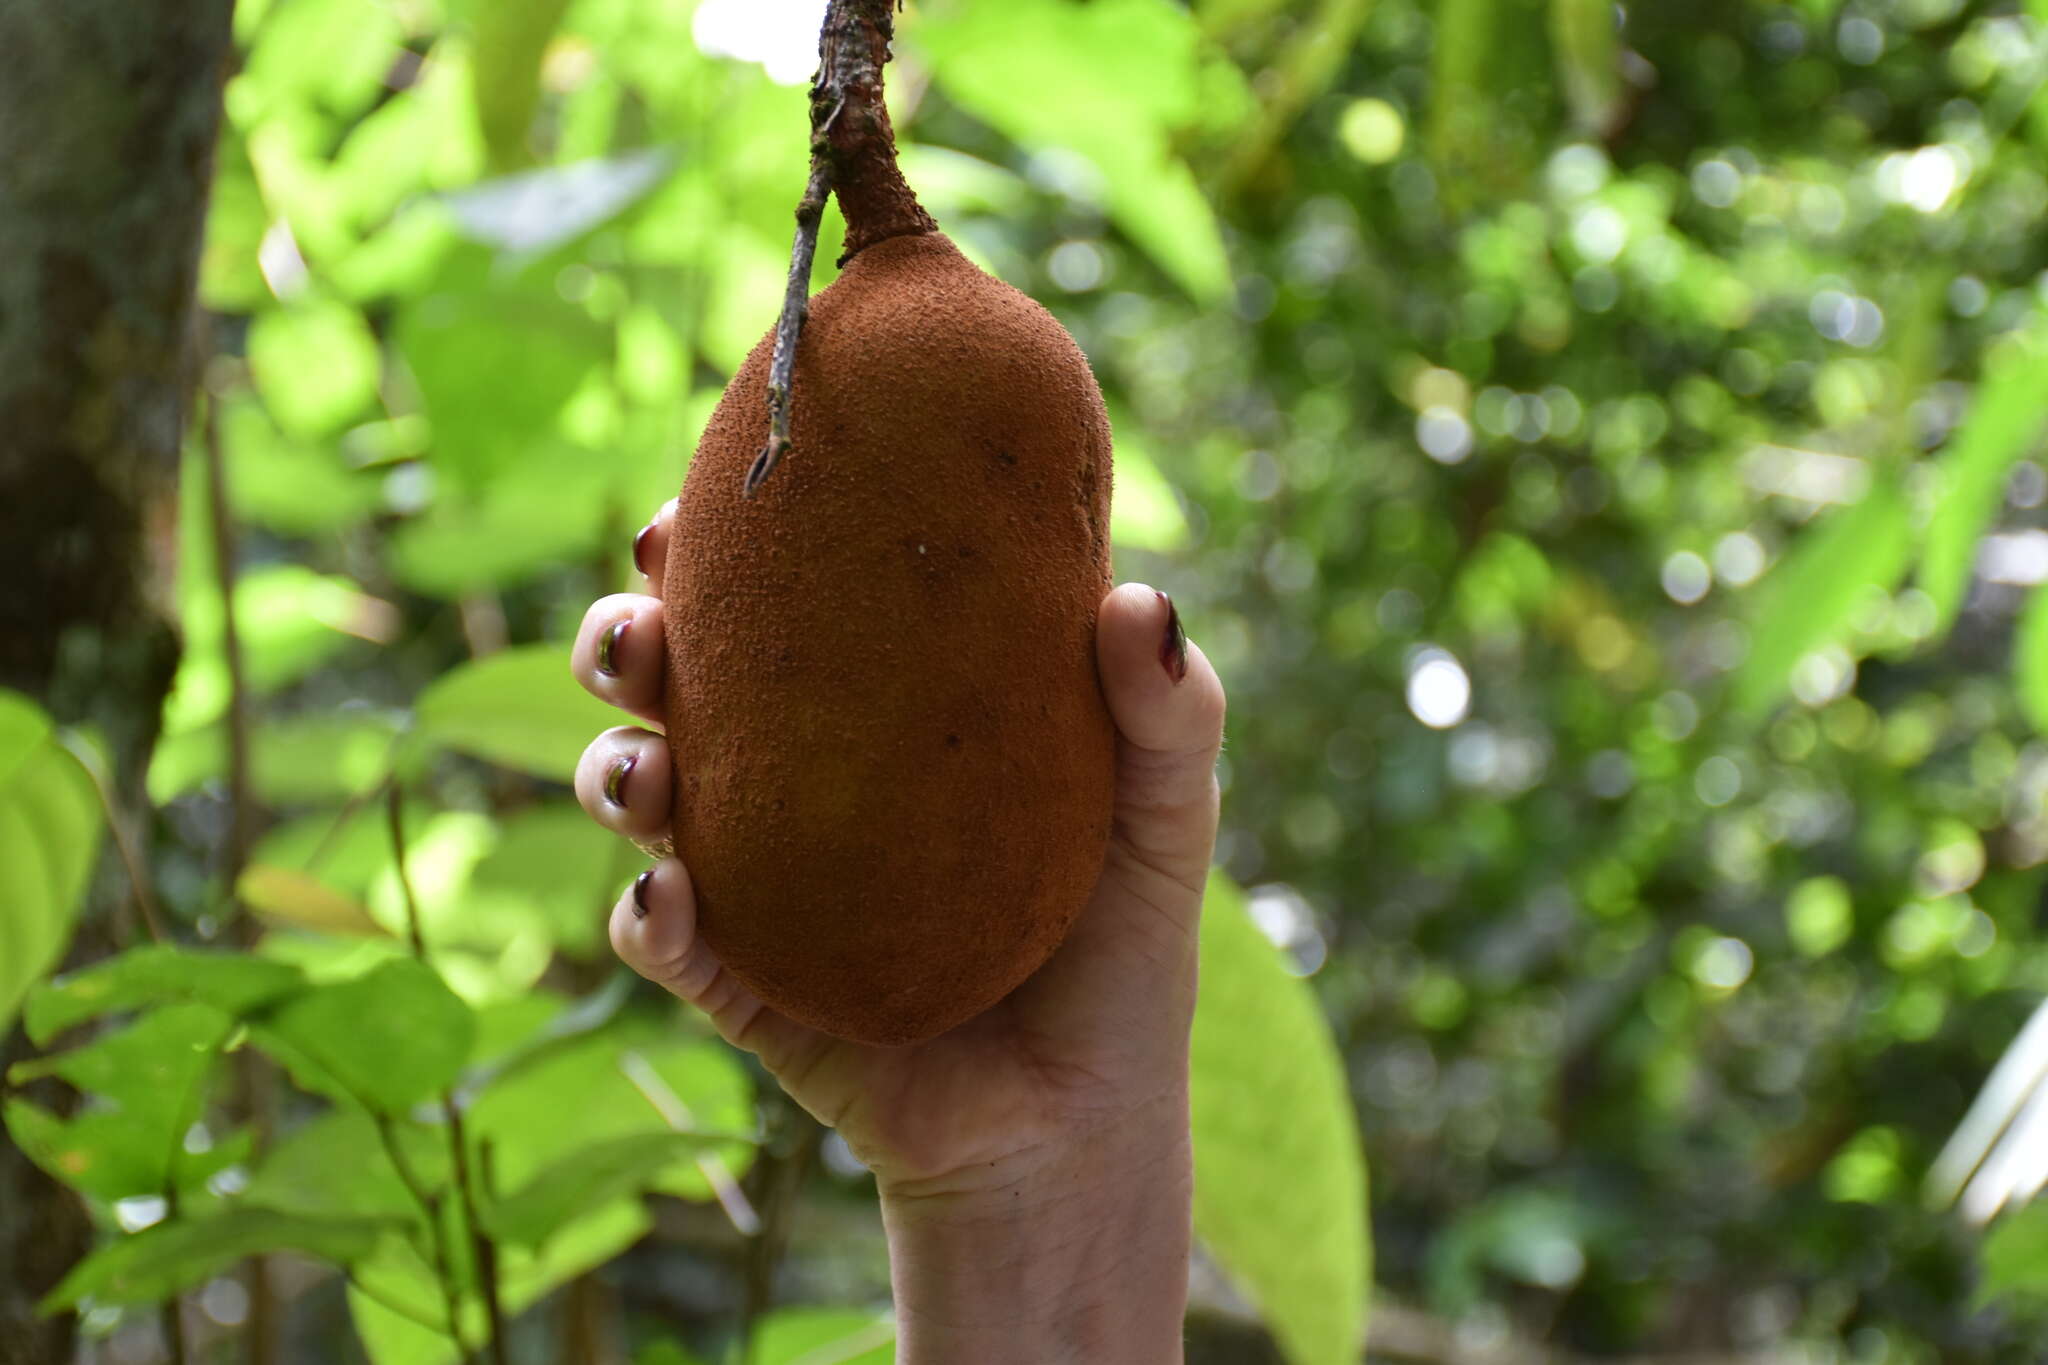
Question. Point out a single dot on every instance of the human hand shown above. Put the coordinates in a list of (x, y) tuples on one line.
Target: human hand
[(1065, 1104)]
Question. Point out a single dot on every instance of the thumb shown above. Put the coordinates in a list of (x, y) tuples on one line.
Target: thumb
[(1167, 703)]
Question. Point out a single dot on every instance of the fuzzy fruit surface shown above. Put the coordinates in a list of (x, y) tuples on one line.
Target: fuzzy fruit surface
[(894, 766)]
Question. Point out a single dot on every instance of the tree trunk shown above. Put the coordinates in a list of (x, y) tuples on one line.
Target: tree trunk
[(108, 115)]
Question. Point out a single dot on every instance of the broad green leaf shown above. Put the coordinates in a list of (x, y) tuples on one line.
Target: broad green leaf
[(392, 1338), (570, 869), (549, 506), (337, 1164), (823, 1336), (1112, 80), (587, 1178), (1809, 598), (1279, 1167), (294, 760), (2030, 660), (2004, 423), (388, 1039), (519, 708), (175, 1255), (157, 974), (290, 619), (50, 823), (329, 55), (635, 1077), (495, 364), (316, 364), (538, 211), (288, 896), (149, 1086), (296, 488)]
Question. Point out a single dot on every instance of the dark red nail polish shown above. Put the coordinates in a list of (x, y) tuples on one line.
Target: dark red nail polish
[(640, 884), (640, 543), (608, 647), (1173, 649), (615, 780)]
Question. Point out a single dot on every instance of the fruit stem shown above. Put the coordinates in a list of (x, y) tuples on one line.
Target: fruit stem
[(853, 154)]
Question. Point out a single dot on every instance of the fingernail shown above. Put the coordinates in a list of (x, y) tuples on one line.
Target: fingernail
[(1173, 649), (615, 780), (640, 543), (640, 884), (608, 647)]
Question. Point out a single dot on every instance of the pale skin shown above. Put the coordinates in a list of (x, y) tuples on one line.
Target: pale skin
[(1033, 1164)]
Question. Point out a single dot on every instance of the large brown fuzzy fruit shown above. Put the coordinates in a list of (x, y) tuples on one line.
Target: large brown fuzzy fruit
[(893, 762)]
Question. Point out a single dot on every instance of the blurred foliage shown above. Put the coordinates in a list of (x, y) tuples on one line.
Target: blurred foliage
[(1598, 445)]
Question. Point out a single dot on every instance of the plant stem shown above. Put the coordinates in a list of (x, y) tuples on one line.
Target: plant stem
[(777, 1178), (124, 844), (482, 1248), (853, 154), (430, 1207), (252, 1090), (430, 1203), (171, 1320)]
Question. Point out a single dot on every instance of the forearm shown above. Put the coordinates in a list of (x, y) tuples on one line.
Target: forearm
[(1077, 1256)]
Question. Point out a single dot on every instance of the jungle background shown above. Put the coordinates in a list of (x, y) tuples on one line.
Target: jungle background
[(1597, 445)]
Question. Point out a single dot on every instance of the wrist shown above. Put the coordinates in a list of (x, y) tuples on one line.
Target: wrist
[(1068, 1253)]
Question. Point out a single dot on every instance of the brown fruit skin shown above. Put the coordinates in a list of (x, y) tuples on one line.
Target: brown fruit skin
[(894, 766)]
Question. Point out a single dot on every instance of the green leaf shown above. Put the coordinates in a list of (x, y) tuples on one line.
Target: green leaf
[(2016, 1256), (823, 1336), (1809, 598), (316, 364), (519, 708), (297, 488), (148, 1084), (566, 865), (331, 55), (2005, 421), (50, 822), (2030, 660), (1279, 1167), (1145, 514), (495, 366), (1584, 36), (336, 1164), (173, 1256), (397, 1272), (1112, 80), (538, 211), (387, 1039), (625, 1080), (295, 760), (548, 507), (158, 974), (510, 38), (286, 895), (586, 1178)]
